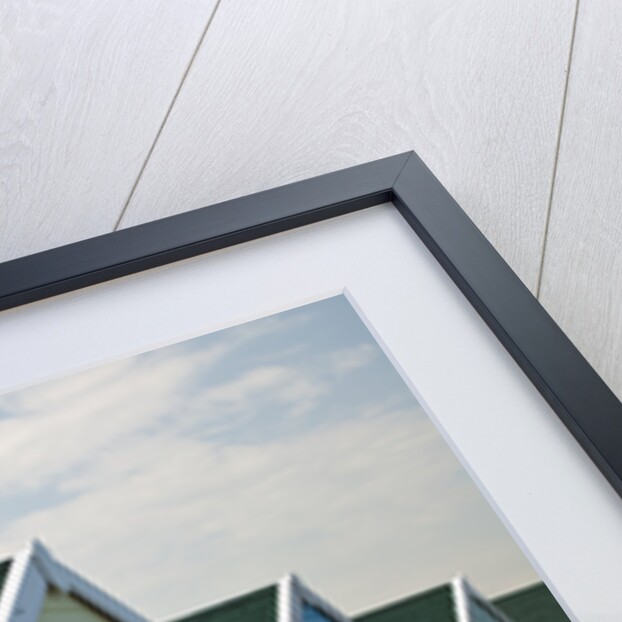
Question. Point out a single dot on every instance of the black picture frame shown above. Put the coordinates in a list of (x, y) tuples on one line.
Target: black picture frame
[(575, 392)]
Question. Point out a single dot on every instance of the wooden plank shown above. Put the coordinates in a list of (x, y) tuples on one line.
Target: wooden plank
[(64, 608), (280, 92), (84, 87), (582, 275)]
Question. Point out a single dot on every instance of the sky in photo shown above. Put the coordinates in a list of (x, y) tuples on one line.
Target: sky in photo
[(212, 467)]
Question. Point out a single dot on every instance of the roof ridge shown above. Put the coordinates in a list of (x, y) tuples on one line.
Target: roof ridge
[(34, 569)]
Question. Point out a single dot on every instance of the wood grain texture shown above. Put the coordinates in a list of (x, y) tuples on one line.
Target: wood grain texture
[(63, 608), (582, 275), (282, 91), (84, 87)]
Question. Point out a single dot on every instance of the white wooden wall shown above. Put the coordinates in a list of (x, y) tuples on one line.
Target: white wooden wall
[(116, 113)]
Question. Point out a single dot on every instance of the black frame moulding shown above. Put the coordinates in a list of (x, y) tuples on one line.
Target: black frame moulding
[(581, 399)]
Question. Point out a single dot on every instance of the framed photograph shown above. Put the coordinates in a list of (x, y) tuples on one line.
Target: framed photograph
[(339, 378)]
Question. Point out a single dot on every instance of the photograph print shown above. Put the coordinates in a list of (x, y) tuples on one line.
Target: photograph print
[(277, 471)]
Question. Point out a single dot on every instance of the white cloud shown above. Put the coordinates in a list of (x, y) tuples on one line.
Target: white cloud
[(53, 428), (280, 383), (350, 359), (336, 504)]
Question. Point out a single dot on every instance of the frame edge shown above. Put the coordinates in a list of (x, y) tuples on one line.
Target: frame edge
[(569, 384), (571, 387)]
